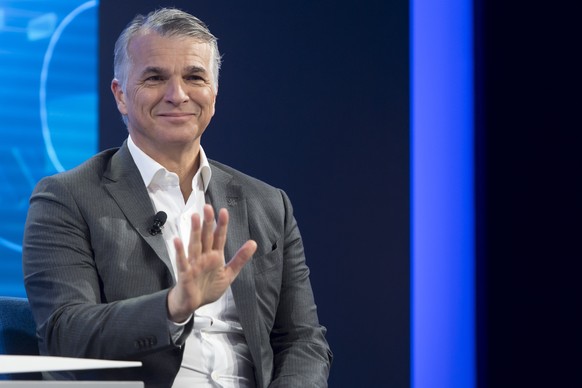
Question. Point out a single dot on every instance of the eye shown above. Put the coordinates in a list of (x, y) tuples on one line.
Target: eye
[(154, 78), (195, 78)]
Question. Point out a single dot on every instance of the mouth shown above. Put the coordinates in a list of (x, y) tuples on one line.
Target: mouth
[(176, 114), (177, 118)]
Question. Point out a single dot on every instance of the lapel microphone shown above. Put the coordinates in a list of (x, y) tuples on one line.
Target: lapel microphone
[(159, 221)]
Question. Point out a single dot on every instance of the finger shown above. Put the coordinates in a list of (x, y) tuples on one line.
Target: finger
[(181, 261), (207, 228), (221, 230), (195, 245), (242, 256)]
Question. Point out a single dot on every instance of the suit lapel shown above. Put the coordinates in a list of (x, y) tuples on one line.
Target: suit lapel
[(125, 184), (223, 193)]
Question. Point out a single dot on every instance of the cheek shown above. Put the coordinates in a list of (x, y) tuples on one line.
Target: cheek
[(141, 102), (209, 97)]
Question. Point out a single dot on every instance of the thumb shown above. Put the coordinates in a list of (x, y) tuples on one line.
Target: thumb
[(242, 256)]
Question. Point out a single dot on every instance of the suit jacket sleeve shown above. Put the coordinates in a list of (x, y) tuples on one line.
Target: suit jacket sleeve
[(302, 357), (77, 245)]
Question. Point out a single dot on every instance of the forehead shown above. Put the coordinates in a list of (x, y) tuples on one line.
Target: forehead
[(151, 49)]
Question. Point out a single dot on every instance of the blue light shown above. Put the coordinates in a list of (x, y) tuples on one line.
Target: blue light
[(48, 119), (442, 215)]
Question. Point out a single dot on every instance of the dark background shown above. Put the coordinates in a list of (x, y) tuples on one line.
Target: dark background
[(313, 98), (529, 193)]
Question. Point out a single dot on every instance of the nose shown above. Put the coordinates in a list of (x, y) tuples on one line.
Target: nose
[(176, 93)]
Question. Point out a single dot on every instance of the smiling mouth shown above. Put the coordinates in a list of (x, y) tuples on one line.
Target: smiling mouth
[(180, 114)]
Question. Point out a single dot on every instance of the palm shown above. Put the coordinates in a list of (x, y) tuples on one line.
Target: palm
[(207, 277), (202, 275)]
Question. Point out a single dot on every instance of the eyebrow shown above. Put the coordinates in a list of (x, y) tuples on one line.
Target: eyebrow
[(153, 70), (195, 69)]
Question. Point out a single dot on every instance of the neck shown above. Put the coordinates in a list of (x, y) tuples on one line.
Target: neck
[(185, 166), (184, 161)]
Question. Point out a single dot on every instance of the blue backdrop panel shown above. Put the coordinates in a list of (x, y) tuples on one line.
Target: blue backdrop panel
[(48, 114)]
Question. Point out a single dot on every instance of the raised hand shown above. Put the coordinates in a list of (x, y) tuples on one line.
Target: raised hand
[(203, 275)]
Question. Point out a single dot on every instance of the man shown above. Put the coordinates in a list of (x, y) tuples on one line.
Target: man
[(106, 279)]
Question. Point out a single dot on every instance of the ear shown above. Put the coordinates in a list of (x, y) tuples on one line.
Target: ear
[(119, 96), (214, 103), (214, 92)]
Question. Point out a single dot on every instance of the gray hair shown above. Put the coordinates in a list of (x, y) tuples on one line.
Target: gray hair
[(166, 22)]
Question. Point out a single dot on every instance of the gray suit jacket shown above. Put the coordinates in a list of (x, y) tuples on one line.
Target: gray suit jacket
[(97, 280)]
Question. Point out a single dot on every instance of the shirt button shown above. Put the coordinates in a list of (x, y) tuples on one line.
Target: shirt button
[(215, 376)]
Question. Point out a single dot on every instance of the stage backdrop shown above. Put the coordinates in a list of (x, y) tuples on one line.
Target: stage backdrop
[(313, 99)]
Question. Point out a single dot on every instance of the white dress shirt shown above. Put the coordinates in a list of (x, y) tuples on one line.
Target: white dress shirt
[(216, 353)]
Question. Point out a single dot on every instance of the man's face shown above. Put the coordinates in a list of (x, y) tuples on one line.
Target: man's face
[(169, 96)]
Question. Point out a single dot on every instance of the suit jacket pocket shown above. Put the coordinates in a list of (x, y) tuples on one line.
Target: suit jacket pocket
[(271, 259), (268, 277)]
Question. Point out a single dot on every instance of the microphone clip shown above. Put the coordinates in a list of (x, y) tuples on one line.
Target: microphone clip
[(159, 221)]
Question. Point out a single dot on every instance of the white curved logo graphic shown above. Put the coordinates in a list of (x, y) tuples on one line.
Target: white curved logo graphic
[(43, 81)]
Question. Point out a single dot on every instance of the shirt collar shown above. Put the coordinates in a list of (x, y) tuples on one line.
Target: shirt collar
[(148, 167)]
